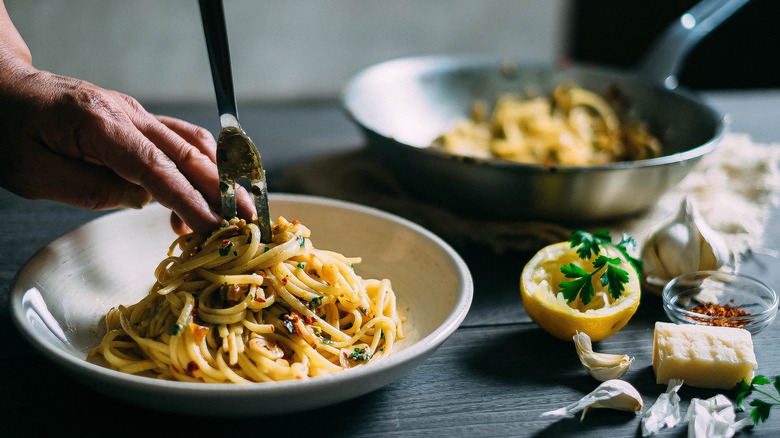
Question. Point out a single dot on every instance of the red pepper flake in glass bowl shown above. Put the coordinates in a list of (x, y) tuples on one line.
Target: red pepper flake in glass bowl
[(722, 314)]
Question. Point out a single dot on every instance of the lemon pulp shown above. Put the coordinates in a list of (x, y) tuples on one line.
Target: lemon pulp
[(602, 317)]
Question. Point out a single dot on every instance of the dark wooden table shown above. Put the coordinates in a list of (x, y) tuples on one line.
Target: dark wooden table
[(493, 377)]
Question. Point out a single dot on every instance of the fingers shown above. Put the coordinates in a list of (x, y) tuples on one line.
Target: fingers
[(201, 139), (195, 135), (192, 149), (110, 152), (38, 173), (178, 225), (113, 130)]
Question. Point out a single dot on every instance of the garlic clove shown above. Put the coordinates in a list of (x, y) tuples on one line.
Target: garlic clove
[(602, 366), (665, 412), (683, 245), (612, 394)]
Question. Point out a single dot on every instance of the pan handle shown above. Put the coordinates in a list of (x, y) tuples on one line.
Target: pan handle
[(662, 62)]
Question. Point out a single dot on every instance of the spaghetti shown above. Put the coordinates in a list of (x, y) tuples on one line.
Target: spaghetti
[(573, 126), (231, 309)]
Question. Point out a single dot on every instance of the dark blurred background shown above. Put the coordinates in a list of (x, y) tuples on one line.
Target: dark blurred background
[(744, 52)]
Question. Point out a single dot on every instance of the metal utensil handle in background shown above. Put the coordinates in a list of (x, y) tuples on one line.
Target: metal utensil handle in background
[(662, 62), (213, 16)]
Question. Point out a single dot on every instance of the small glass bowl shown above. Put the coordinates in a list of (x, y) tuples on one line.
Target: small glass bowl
[(738, 292)]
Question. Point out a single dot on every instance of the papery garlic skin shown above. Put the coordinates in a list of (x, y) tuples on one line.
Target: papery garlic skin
[(612, 394), (685, 244), (665, 412), (714, 418), (601, 366)]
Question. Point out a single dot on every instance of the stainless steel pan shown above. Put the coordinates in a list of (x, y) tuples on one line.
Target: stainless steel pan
[(402, 105)]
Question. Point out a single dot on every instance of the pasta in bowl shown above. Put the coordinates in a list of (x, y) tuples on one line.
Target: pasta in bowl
[(62, 295), (230, 309)]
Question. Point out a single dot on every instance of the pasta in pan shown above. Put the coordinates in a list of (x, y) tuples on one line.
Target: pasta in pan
[(573, 126), (229, 308)]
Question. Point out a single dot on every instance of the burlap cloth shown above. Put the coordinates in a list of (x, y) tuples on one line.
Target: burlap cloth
[(735, 187)]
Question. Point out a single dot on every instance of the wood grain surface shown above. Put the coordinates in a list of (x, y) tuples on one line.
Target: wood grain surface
[(493, 377)]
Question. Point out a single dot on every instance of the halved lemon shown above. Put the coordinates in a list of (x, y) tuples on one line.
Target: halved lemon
[(547, 307)]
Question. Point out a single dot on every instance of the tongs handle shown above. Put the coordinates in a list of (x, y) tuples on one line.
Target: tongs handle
[(213, 16)]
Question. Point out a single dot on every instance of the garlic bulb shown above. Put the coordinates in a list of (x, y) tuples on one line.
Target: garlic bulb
[(602, 366), (686, 244), (613, 394)]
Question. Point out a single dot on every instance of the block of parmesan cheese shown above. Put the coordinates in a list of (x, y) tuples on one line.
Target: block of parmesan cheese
[(703, 356)]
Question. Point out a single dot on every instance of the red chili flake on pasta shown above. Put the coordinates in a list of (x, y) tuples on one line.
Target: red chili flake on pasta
[(198, 332), (191, 368), (259, 300)]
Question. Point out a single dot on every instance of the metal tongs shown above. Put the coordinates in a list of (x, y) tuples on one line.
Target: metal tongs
[(237, 156)]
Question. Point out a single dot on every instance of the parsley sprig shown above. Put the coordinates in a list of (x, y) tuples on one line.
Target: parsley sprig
[(614, 278), (761, 408)]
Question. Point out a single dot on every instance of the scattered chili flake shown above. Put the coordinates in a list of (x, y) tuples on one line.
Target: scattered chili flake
[(720, 313), (191, 368), (289, 320)]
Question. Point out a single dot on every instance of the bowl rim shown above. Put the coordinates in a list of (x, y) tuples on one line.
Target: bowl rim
[(682, 314), (431, 63), (421, 348)]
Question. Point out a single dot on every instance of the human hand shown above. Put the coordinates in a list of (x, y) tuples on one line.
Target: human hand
[(68, 140)]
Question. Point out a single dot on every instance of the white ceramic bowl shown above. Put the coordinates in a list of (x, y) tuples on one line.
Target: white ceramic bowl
[(61, 294)]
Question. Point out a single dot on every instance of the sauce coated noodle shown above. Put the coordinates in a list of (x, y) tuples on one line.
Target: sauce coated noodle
[(231, 309), (573, 126)]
